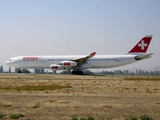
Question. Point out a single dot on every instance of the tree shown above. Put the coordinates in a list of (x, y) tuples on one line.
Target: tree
[(35, 70), (16, 70), (39, 70), (22, 71), (42, 70), (88, 72), (25, 71), (1, 69), (9, 71), (66, 72)]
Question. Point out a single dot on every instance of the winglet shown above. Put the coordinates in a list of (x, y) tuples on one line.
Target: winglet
[(142, 46), (92, 54), (84, 59)]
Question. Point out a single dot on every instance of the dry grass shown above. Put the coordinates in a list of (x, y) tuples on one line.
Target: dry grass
[(63, 97), (35, 88), (142, 78)]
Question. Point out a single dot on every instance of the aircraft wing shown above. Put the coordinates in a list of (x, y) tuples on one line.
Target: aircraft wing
[(144, 56), (84, 59), (71, 64)]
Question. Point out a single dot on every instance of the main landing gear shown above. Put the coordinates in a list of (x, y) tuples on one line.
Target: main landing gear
[(77, 72), (19, 70)]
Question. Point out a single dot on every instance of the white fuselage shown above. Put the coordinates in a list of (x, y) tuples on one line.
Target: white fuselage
[(98, 61), (79, 62)]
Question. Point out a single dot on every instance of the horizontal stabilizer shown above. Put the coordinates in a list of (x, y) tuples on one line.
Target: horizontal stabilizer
[(144, 56)]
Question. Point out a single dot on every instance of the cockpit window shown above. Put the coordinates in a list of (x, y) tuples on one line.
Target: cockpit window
[(10, 59)]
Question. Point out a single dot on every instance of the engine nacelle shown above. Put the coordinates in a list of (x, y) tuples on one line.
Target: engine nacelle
[(56, 67), (68, 64)]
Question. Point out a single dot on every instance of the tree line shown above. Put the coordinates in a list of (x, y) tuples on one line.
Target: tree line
[(115, 72)]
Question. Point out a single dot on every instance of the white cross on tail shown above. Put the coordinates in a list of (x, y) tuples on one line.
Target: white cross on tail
[(142, 45)]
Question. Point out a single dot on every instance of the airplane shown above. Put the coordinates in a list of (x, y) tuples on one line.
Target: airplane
[(77, 63)]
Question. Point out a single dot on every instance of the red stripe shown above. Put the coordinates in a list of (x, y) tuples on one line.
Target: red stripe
[(67, 64)]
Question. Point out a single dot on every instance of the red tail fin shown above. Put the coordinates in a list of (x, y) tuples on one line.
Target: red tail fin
[(142, 46)]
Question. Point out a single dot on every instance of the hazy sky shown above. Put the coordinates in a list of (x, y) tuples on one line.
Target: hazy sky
[(78, 27)]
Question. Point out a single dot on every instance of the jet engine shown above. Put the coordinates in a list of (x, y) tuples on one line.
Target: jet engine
[(56, 67), (68, 64)]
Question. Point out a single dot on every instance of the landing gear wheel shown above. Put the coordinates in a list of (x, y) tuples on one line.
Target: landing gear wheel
[(19, 70), (73, 72), (77, 72), (80, 72)]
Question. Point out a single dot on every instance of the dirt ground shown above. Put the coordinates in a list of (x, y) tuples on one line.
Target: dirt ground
[(101, 97)]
